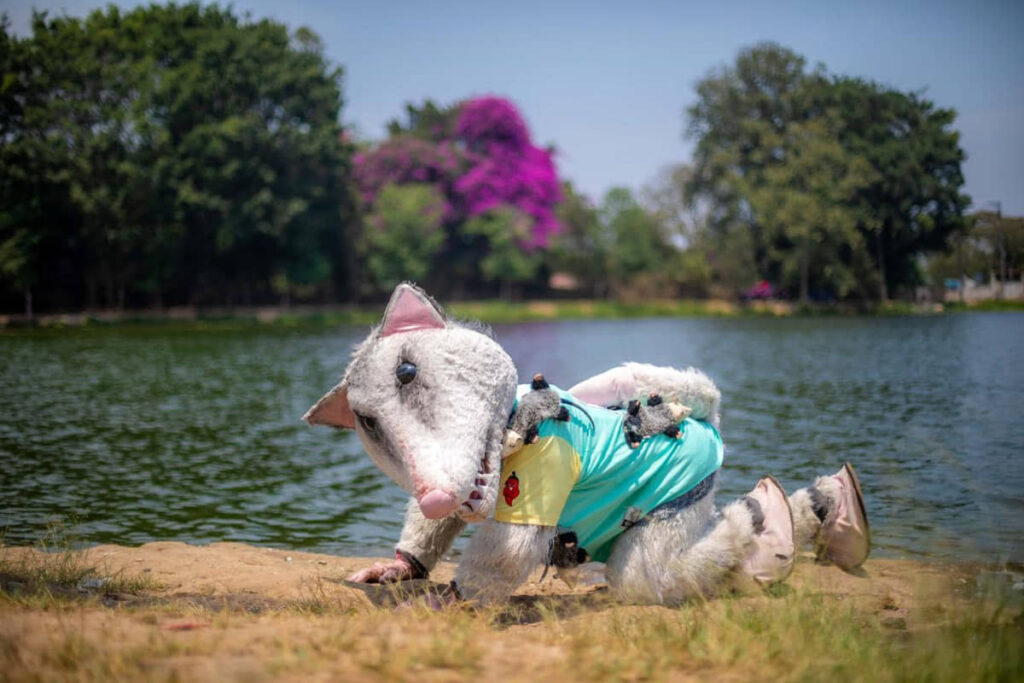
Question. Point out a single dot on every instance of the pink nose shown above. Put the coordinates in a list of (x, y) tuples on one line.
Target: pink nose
[(436, 504)]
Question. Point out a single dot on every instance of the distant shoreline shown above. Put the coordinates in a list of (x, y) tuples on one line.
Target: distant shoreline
[(488, 311)]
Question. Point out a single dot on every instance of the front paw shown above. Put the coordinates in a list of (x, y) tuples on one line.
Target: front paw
[(399, 569)]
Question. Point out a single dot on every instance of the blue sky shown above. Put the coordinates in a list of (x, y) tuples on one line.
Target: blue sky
[(608, 84)]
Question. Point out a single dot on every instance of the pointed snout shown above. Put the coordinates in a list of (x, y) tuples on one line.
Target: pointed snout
[(437, 504)]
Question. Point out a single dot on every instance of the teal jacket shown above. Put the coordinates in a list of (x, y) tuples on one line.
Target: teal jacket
[(582, 474)]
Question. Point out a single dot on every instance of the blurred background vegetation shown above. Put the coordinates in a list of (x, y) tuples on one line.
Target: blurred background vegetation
[(182, 155)]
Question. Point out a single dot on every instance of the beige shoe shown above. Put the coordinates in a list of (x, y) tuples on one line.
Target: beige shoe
[(846, 538), (771, 560)]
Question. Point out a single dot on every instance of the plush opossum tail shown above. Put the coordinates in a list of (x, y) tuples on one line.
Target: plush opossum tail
[(634, 381)]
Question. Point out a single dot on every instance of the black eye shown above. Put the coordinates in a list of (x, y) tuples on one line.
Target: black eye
[(368, 423), (405, 372)]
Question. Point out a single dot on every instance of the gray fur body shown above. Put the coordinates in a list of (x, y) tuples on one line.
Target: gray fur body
[(441, 436)]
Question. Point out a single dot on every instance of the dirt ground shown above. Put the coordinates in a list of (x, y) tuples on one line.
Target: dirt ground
[(230, 611)]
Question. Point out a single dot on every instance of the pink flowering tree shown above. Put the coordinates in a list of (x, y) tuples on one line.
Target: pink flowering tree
[(480, 159), (407, 160)]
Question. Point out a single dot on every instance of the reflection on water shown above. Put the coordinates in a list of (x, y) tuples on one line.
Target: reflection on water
[(142, 435)]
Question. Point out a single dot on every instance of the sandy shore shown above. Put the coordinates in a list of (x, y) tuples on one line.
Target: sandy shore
[(230, 611)]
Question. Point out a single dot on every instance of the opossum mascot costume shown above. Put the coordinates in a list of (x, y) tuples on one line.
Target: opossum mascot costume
[(620, 468)]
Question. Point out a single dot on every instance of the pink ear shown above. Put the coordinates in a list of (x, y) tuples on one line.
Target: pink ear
[(332, 410), (410, 309)]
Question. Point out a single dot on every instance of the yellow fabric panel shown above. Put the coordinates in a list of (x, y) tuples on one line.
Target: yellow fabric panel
[(536, 481)]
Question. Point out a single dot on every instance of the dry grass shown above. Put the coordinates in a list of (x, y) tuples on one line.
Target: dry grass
[(942, 625), (56, 575), (797, 637)]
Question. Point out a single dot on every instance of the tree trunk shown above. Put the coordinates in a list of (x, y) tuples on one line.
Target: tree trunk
[(883, 285), (506, 289), (1002, 259), (805, 277), (108, 291), (28, 303), (960, 268), (90, 289)]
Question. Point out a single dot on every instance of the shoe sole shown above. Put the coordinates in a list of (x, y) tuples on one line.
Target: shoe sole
[(836, 551), (790, 560), (860, 497), (792, 527)]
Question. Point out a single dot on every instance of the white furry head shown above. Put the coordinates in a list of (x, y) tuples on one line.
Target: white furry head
[(429, 399)]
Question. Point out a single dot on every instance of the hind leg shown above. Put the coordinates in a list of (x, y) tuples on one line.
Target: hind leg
[(688, 553), (830, 517)]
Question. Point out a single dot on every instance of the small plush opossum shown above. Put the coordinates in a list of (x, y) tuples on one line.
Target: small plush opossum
[(657, 417), (542, 403)]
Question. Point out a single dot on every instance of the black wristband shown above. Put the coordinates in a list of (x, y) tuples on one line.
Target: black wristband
[(419, 571)]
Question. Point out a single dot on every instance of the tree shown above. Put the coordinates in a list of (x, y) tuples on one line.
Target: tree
[(665, 196), (479, 155), (176, 150), (256, 163), (505, 262), (91, 110), (684, 224), (402, 234), (739, 121), (913, 202), (745, 121), (583, 247), (506, 167), (740, 113), (428, 122), (21, 212), (978, 250), (803, 203), (640, 251)]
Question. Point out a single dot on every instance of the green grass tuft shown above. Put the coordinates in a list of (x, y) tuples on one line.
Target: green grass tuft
[(57, 574)]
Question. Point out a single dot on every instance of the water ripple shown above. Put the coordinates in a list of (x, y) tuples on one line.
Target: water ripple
[(139, 435)]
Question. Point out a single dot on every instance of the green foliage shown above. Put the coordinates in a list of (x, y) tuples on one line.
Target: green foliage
[(584, 247), (176, 154), (640, 251), (178, 151), (52, 572), (988, 242), (622, 247), (803, 206), (428, 122), (741, 113), (913, 201), (505, 262), (403, 234), (687, 265), (787, 157)]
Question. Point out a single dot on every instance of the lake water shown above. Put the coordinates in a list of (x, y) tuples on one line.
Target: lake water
[(134, 435)]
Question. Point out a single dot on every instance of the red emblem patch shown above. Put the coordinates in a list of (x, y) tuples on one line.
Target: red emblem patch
[(511, 490)]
